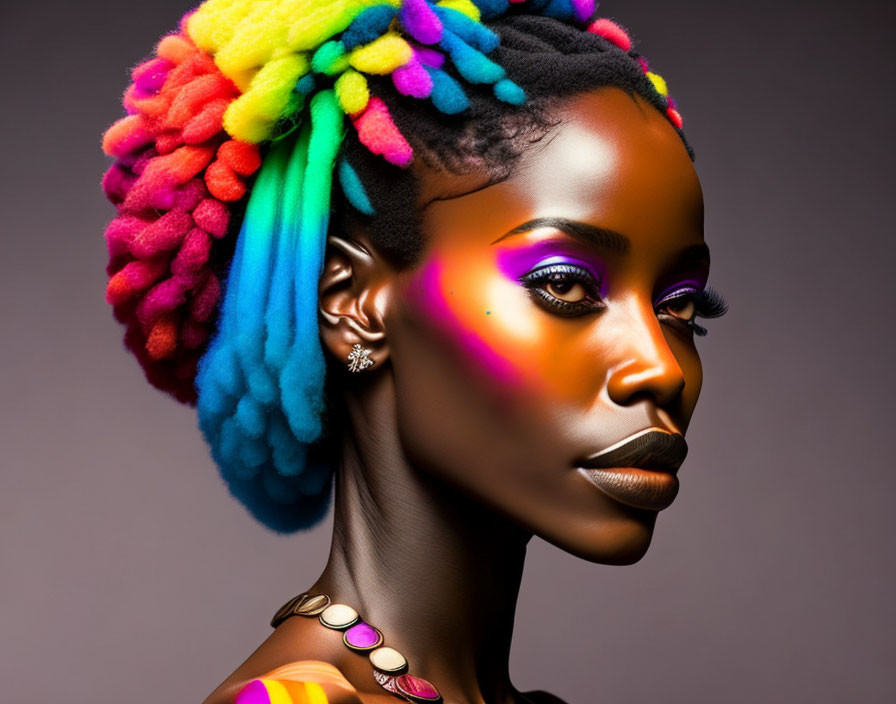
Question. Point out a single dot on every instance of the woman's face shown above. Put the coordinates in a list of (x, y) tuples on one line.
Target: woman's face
[(550, 320)]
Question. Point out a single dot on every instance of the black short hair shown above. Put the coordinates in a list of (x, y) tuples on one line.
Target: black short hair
[(551, 60)]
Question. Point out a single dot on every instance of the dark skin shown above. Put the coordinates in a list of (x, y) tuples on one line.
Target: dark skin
[(466, 436)]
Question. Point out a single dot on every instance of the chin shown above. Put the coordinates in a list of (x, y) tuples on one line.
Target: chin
[(622, 541)]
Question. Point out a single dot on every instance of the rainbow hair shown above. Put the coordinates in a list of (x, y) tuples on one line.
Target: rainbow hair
[(253, 98)]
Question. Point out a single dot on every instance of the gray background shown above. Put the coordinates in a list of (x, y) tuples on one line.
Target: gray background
[(129, 575)]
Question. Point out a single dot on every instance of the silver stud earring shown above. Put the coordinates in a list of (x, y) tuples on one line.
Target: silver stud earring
[(359, 359)]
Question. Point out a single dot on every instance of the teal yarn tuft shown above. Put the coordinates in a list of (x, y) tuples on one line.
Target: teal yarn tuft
[(475, 34), (370, 24), (559, 9), (447, 94), (354, 189), (509, 92), (491, 8), (471, 64)]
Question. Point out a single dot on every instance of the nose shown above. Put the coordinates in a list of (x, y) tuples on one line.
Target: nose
[(648, 368)]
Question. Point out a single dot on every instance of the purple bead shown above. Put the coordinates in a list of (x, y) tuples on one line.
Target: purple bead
[(417, 688), (362, 636)]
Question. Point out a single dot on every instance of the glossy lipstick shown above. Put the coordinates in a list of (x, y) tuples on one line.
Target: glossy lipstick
[(639, 471)]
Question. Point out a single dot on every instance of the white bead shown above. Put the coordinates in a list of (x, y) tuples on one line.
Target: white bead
[(388, 659), (338, 616)]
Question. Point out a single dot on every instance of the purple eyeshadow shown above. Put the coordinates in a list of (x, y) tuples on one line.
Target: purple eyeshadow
[(683, 285), (516, 263)]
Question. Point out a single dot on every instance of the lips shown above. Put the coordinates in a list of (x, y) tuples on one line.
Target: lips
[(639, 471)]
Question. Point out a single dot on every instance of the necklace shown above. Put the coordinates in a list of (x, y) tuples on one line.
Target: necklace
[(390, 668)]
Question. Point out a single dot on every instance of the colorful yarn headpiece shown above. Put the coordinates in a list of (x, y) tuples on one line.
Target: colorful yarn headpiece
[(255, 96)]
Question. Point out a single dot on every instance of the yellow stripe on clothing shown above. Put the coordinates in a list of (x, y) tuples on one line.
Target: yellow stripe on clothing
[(278, 694), (304, 682), (316, 694)]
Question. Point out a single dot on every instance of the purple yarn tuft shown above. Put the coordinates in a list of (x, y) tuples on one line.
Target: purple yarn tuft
[(412, 79), (431, 57), (583, 9), (421, 21), (150, 76)]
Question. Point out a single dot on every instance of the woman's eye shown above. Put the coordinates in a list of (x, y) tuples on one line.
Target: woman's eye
[(564, 289), (686, 305), (682, 307)]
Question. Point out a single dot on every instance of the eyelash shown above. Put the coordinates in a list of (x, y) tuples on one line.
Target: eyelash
[(708, 303)]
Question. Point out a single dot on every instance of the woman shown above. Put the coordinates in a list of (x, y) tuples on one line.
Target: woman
[(484, 323)]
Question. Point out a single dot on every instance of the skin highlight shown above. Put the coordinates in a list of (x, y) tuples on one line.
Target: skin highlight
[(467, 436)]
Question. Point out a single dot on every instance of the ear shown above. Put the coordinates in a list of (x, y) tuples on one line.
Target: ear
[(353, 293)]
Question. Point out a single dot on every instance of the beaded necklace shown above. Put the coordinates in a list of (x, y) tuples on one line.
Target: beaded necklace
[(390, 667)]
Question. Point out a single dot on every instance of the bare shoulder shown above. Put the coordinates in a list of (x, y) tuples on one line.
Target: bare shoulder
[(296, 652)]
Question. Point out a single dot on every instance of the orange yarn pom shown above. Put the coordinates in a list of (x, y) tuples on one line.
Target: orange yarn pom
[(205, 125), (242, 157), (162, 339), (175, 170), (223, 183)]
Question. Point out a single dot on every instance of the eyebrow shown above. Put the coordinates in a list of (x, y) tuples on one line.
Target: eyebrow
[(589, 234)]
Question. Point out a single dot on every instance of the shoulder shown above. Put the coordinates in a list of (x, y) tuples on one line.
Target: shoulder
[(294, 683), (295, 660)]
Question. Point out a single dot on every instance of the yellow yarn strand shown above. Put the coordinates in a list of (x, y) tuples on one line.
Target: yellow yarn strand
[(313, 22), (381, 56), (659, 83), (255, 41), (265, 46), (252, 116), (464, 6), (352, 92), (215, 22)]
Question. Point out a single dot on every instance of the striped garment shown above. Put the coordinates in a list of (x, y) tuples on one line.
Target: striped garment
[(305, 682)]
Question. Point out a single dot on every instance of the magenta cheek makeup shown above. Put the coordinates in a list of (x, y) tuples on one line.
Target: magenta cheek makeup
[(442, 308)]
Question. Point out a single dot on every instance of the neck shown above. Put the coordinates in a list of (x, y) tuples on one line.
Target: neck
[(435, 571)]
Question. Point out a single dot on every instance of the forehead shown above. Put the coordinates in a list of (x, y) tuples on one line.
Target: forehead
[(612, 160)]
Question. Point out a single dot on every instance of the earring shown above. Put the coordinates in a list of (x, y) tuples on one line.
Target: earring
[(359, 359)]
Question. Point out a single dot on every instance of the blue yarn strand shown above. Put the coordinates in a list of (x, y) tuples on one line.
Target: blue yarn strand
[(262, 435)]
